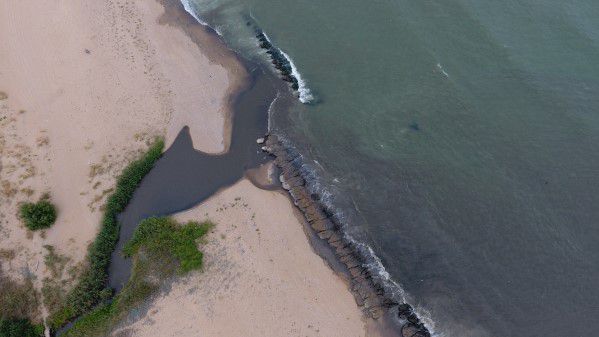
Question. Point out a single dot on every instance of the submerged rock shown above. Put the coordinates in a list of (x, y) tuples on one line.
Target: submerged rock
[(404, 310), (408, 330)]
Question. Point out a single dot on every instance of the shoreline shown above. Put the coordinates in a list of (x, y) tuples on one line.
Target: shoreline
[(260, 269), (213, 47), (367, 294), (375, 326), (370, 291), (176, 105)]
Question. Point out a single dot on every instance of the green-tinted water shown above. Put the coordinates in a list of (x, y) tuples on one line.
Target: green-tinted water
[(459, 139)]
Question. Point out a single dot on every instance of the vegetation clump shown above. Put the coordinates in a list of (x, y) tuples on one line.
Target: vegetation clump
[(163, 236), (160, 248), (18, 303), (54, 286), (91, 288), (19, 328), (39, 215)]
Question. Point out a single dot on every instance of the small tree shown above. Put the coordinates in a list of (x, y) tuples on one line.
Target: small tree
[(38, 215)]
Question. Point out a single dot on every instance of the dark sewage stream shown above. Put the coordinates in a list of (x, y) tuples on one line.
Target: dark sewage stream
[(184, 177)]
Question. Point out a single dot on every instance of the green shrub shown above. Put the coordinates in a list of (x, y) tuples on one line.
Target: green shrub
[(38, 215), (164, 236), (168, 248), (91, 288), (19, 328)]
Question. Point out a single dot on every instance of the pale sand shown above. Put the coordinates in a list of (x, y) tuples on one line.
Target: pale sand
[(95, 80), (145, 77), (260, 278)]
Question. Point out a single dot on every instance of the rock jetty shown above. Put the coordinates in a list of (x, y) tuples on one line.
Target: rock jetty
[(370, 294), (278, 60)]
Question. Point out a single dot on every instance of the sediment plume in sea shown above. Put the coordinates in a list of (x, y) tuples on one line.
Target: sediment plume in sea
[(371, 292)]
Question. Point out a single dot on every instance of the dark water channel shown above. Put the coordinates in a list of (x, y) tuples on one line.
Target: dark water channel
[(184, 177)]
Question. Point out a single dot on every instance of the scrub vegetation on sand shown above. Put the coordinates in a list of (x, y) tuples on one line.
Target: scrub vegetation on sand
[(20, 328), (18, 303), (160, 248), (91, 288), (39, 215)]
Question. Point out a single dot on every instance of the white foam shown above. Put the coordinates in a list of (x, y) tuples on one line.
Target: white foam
[(305, 95), (189, 9), (398, 292), (375, 265), (270, 110), (440, 67)]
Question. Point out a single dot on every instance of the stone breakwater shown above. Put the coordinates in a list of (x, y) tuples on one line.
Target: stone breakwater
[(370, 293), (278, 60), (285, 68)]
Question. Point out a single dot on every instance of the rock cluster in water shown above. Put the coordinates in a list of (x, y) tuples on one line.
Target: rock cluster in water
[(279, 61), (369, 294)]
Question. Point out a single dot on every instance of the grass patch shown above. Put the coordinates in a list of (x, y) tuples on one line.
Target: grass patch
[(20, 328), (160, 248), (17, 299), (54, 294), (91, 288), (54, 287), (18, 303), (162, 236), (39, 215), (55, 262)]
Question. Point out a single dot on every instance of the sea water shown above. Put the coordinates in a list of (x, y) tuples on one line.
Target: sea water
[(459, 139)]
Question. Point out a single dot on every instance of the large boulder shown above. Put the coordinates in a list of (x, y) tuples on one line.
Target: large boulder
[(325, 234), (322, 225), (409, 330)]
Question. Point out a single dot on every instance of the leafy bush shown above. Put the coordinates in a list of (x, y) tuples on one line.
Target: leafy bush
[(164, 236), (168, 248), (91, 288), (38, 215), (19, 328)]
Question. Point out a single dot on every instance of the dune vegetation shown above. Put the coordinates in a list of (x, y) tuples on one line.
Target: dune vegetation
[(18, 305), (39, 215), (91, 288), (160, 248)]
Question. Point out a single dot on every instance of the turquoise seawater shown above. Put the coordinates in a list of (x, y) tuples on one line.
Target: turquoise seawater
[(459, 139)]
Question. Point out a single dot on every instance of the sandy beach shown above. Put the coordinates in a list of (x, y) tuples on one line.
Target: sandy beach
[(87, 85), (84, 87), (260, 277)]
